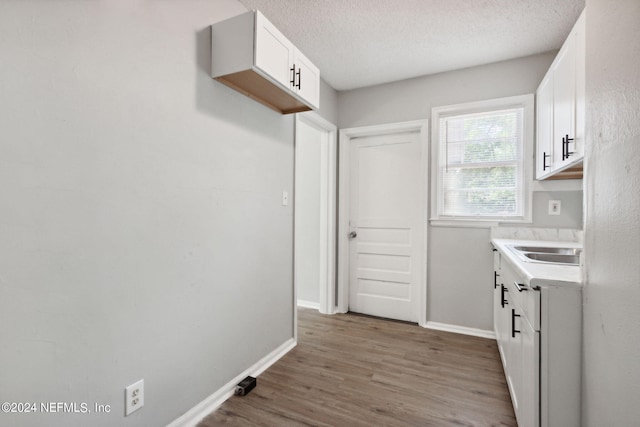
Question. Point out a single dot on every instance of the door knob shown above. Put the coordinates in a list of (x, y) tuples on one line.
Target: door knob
[(353, 235)]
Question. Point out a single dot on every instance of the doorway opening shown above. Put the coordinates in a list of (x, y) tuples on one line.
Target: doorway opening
[(315, 197)]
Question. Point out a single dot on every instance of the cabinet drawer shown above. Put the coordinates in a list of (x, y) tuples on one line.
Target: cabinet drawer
[(525, 298)]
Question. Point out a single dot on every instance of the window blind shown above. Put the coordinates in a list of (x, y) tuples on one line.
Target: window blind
[(481, 164)]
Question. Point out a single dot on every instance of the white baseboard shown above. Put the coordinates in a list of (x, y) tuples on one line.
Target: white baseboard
[(308, 304), (194, 415), (461, 330)]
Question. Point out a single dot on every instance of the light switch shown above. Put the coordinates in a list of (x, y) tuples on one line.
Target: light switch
[(285, 198), (555, 206)]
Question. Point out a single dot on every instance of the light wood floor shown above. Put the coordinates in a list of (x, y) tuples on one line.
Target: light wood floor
[(353, 370)]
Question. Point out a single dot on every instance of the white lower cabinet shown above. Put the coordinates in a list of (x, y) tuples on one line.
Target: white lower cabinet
[(538, 330), (519, 344)]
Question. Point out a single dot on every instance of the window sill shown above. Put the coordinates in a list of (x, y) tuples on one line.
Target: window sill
[(474, 223)]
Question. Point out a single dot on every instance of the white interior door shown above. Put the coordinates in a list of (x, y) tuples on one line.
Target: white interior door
[(385, 226)]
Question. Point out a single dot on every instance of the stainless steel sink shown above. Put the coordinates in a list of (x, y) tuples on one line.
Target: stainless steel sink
[(548, 255), (548, 250), (554, 258)]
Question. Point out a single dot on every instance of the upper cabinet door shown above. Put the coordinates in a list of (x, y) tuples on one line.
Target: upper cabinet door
[(564, 101), (544, 130), (578, 144), (273, 52), (307, 79)]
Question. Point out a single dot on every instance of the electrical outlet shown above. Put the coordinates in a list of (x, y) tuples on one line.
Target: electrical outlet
[(555, 206), (134, 397)]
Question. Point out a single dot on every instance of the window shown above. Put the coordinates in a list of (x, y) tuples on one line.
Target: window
[(482, 154)]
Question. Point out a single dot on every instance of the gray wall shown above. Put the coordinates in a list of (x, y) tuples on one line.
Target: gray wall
[(307, 206), (413, 99), (611, 368), (328, 102), (460, 262), (570, 209), (141, 228)]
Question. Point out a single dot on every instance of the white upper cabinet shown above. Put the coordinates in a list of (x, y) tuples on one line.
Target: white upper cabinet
[(560, 109), (252, 56)]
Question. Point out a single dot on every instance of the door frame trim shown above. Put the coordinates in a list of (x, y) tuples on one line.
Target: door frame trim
[(328, 178), (346, 135)]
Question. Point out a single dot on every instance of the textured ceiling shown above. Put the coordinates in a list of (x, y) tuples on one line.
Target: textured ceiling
[(358, 43)]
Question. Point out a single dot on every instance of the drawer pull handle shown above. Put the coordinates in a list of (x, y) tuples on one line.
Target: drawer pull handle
[(513, 323), (520, 286), (503, 290)]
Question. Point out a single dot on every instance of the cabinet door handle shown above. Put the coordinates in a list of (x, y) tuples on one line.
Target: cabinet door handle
[(513, 323), (502, 291), (495, 279), (544, 160), (293, 75), (565, 147), (520, 286), (299, 79), (567, 139)]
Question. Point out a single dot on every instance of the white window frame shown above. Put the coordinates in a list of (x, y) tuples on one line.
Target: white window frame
[(522, 101)]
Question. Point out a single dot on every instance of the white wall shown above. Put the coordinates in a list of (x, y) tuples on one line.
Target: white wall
[(460, 261), (611, 367), (141, 227)]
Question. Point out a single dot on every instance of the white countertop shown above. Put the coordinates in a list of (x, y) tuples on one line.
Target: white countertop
[(541, 274)]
